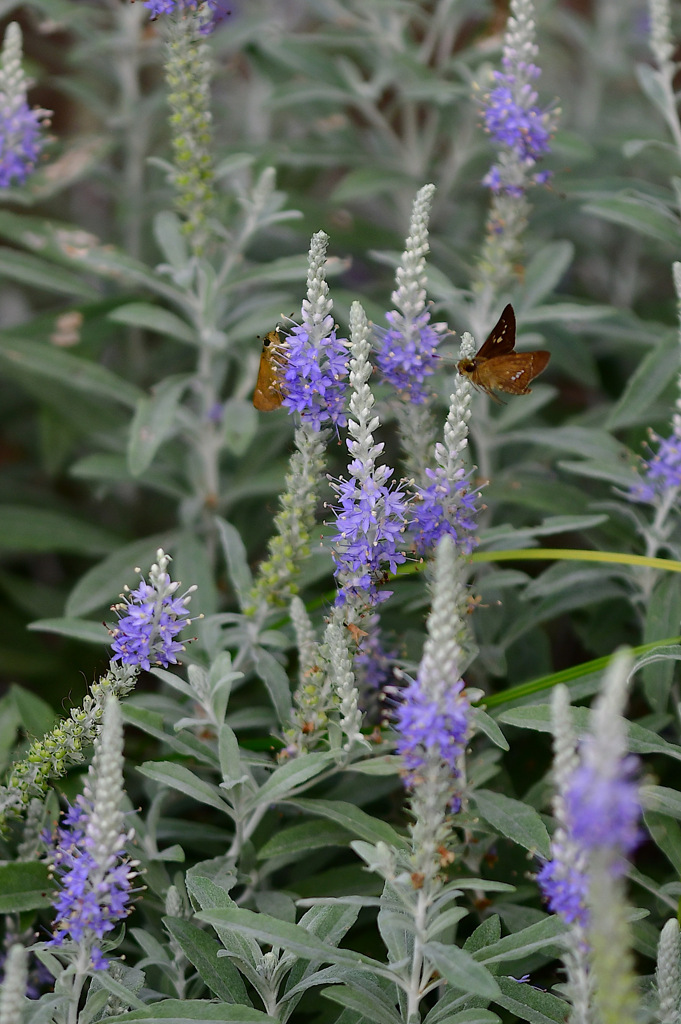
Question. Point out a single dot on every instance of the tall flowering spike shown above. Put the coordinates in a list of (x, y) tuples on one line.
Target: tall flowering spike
[(21, 138), (432, 721), (315, 377), (150, 618), (314, 382), (662, 472), (13, 989), (447, 504), (313, 698), (668, 974), (89, 860), (370, 517), (563, 880), (342, 678), (598, 811), (601, 797), (275, 583), (407, 352), (519, 127), (521, 131), (188, 73)]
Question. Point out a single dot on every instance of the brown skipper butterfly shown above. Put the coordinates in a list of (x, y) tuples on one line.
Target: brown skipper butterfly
[(496, 367), (269, 391)]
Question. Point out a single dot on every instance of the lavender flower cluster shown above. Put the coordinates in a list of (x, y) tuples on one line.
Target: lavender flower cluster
[(662, 471), (518, 125), (153, 618), (315, 378), (90, 901), (599, 811), (445, 507), (21, 128), (407, 354), (431, 726), (219, 9), (370, 521)]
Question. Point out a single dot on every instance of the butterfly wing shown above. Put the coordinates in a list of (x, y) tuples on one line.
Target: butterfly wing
[(512, 373), (501, 339)]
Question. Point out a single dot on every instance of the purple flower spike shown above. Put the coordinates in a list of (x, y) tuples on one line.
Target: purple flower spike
[(597, 805), (370, 519), (407, 354), (433, 719), (20, 127), (565, 888), (370, 515), (88, 856), (20, 143), (316, 363), (315, 379), (604, 809), (662, 472), (145, 635), (432, 727), (219, 10), (445, 507), (519, 124), (519, 127)]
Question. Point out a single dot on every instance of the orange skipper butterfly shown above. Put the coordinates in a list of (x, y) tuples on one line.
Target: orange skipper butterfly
[(497, 367), (269, 391)]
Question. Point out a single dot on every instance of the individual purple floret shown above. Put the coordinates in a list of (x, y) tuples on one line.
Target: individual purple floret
[(90, 902), (145, 635), (444, 508), (407, 354), (315, 378), (431, 728)]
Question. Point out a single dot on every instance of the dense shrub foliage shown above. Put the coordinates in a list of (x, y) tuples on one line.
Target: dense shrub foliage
[(350, 692)]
